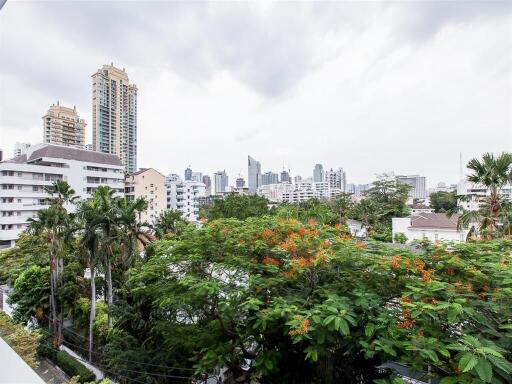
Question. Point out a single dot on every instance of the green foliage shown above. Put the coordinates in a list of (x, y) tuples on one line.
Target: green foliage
[(29, 250), (170, 223), (24, 342), (443, 202), (296, 299), (236, 206), (400, 238), (74, 368), (30, 294)]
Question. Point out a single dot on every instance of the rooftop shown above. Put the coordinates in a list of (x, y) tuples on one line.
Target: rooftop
[(434, 220)]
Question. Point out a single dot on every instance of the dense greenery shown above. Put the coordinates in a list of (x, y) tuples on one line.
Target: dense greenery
[(280, 295), (74, 368), (25, 343), (443, 202)]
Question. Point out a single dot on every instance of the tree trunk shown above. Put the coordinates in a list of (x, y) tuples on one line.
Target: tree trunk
[(93, 310), (53, 295), (109, 292)]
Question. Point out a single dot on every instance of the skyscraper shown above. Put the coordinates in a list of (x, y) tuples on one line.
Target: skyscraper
[(207, 181), (240, 182), (418, 184), (188, 173), (114, 115), (221, 181), (269, 178), (285, 177), (318, 173), (254, 175), (62, 126)]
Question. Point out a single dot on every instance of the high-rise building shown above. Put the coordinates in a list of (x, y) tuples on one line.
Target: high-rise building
[(417, 183), (1, 154), (269, 178), (318, 173), (197, 176), (297, 179), (207, 181), (62, 126), (188, 173), (240, 182), (114, 115), (88, 147), (254, 175), (20, 149), (149, 184), (336, 179), (23, 180), (285, 177), (221, 182)]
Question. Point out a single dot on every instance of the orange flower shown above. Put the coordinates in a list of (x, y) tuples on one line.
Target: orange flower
[(270, 261), (302, 328), (360, 244), (312, 222)]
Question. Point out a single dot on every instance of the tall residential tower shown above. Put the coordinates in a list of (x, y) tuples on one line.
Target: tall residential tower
[(114, 115), (254, 175), (62, 126)]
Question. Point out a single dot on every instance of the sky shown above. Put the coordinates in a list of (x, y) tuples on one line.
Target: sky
[(372, 87)]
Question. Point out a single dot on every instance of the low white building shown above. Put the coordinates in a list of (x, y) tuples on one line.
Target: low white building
[(431, 226), (475, 194), (24, 178), (300, 191), (185, 197)]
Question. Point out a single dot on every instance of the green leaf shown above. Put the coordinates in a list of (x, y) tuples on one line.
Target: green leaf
[(369, 330), (484, 370), (344, 328), (467, 362), (500, 363), (329, 319)]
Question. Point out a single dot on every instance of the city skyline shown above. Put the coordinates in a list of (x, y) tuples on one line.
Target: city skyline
[(300, 106)]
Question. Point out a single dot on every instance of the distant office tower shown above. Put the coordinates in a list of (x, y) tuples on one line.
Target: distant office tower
[(207, 181), (269, 178), (1, 154), (188, 173), (114, 115), (297, 179), (240, 182), (418, 184), (357, 189), (285, 177), (88, 147), (318, 173), (20, 149), (254, 175), (336, 179), (62, 126), (221, 182), (197, 176)]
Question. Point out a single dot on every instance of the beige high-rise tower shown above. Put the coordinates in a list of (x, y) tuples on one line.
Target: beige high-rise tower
[(114, 115), (62, 126)]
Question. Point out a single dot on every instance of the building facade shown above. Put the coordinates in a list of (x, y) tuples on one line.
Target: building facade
[(207, 181), (149, 184), (186, 197), (63, 126), (24, 179), (285, 177), (114, 115), (221, 181), (254, 175), (269, 178), (240, 182), (318, 173), (336, 179), (417, 183)]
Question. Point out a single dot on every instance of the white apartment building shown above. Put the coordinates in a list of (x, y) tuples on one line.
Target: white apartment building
[(476, 194), (431, 226), (23, 180), (298, 192), (185, 196), (336, 179), (149, 184)]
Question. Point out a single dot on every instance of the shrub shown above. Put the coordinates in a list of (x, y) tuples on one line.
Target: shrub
[(74, 368), (400, 238), (24, 342)]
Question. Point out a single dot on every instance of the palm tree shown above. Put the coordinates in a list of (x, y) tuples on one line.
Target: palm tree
[(342, 206), (493, 173), (169, 222), (52, 223), (132, 231), (61, 193), (106, 215), (87, 215)]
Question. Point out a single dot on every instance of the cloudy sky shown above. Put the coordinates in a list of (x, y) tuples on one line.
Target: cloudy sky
[(370, 87)]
